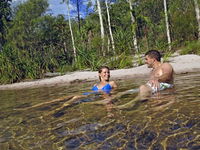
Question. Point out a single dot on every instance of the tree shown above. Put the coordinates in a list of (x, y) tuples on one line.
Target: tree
[(5, 14), (183, 23), (109, 26), (101, 24), (78, 12), (197, 16), (134, 24), (167, 24), (21, 34), (70, 27)]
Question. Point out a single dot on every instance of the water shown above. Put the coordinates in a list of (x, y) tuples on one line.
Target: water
[(169, 120)]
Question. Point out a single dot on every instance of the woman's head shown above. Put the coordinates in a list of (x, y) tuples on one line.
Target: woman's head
[(104, 73)]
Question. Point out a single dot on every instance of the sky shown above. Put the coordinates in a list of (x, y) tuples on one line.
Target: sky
[(57, 7)]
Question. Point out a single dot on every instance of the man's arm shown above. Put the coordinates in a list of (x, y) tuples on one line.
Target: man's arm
[(166, 73)]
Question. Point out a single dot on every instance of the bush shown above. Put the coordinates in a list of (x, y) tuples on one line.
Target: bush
[(191, 48)]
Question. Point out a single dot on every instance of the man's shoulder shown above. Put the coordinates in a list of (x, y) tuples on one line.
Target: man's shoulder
[(166, 65)]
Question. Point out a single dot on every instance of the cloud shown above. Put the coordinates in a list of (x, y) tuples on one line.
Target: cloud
[(57, 7)]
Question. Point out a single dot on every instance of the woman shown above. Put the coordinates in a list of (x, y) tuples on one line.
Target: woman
[(105, 85)]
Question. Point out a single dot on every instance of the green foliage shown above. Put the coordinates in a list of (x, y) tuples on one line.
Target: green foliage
[(166, 56), (139, 60), (191, 48), (5, 15), (16, 65), (88, 59), (121, 61), (123, 40), (22, 29), (183, 21), (35, 43)]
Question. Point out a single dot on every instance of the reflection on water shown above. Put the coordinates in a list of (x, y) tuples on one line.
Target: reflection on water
[(169, 120)]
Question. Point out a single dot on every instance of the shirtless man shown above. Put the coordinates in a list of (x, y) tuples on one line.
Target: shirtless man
[(161, 76)]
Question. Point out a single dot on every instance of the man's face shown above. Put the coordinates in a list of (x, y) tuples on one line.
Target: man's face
[(149, 61)]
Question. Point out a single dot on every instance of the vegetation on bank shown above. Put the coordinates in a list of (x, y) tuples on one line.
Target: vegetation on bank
[(33, 43)]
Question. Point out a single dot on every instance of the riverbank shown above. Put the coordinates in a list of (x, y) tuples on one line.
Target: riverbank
[(181, 64)]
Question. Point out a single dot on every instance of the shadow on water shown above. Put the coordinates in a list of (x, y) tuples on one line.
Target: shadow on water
[(167, 121)]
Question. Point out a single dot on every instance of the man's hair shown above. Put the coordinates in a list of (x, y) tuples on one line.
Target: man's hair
[(154, 54)]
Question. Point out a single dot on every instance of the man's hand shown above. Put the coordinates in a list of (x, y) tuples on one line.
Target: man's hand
[(154, 83)]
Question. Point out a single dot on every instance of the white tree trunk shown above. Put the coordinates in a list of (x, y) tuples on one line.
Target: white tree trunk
[(133, 26), (197, 16), (110, 30), (70, 27), (167, 24), (101, 24)]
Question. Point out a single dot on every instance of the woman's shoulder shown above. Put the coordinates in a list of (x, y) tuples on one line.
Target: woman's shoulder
[(113, 84)]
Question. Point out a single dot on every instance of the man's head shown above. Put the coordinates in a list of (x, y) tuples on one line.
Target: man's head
[(151, 57)]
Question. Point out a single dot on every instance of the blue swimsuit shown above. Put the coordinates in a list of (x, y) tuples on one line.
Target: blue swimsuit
[(107, 88)]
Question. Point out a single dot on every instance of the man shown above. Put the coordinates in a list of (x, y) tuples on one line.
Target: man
[(161, 76)]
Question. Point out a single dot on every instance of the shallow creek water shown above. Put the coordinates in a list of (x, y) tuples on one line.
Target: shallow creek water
[(169, 120)]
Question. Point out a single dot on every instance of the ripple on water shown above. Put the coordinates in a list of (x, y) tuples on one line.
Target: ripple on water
[(167, 121)]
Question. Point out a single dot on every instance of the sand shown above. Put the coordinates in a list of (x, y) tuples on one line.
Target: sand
[(181, 64)]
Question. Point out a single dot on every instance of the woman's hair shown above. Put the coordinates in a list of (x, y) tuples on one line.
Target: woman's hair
[(101, 68)]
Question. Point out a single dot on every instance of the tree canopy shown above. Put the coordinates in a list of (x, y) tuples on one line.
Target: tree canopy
[(33, 42)]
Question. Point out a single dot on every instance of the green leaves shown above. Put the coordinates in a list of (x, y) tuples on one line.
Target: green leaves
[(34, 43)]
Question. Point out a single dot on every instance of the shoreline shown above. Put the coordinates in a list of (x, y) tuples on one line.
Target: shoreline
[(181, 64)]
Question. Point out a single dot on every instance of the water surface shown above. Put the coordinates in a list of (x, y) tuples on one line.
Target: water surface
[(169, 120)]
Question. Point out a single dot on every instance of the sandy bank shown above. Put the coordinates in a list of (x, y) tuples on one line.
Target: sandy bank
[(181, 64)]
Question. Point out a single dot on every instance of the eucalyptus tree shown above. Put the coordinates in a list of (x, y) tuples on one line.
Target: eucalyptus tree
[(78, 14), (134, 26), (197, 16), (101, 25), (109, 26), (70, 27), (167, 24)]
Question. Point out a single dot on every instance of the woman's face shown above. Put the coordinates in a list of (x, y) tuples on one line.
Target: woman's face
[(105, 74)]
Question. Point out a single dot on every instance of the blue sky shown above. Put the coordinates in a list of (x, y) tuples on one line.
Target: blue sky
[(56, 7)]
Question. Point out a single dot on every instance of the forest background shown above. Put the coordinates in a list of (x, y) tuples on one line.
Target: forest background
[(116, 33)]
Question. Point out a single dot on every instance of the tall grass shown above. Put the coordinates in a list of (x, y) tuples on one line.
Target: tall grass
[(191, 48)]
